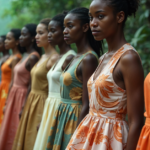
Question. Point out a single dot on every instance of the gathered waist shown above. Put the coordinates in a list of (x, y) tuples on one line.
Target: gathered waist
[(39, 91), (107, 115), (70, 101), (147, 122), (54, 95), (20, 86)]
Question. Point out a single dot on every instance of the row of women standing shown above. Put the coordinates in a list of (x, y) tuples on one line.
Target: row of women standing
[(64, 95)]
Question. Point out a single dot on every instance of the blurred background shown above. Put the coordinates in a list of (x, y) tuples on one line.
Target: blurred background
[(17, 13)]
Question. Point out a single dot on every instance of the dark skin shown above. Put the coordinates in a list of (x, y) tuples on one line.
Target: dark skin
[(11, 43), (76, 33), (4, 51), (56, 37), (26, 40), (41, 40), (128, 73)]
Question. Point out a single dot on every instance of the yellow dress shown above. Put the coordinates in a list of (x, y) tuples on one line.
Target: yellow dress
[(33, 111)]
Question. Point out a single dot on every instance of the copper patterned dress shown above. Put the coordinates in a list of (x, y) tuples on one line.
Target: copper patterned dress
[(104, 128)]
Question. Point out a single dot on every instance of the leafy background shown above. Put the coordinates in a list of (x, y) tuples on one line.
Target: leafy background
[(17, 13)]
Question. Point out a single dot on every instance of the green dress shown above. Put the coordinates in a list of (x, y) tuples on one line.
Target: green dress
[(68, 111)]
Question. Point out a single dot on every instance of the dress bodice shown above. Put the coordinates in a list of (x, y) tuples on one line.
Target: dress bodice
[(71, 86), (53, 75), (38, 77), (6, 70), (21, 74), (106, 98)]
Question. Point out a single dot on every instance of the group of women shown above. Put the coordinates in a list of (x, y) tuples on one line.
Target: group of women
[(74, 100)]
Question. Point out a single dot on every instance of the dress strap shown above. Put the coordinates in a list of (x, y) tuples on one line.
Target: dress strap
[(89, 52)]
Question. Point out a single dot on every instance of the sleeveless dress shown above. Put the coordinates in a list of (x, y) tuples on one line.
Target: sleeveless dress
[(144, 140), (67, 114), (33, 110), (15, 101), (6, 79), (51, 102), (104, 128)]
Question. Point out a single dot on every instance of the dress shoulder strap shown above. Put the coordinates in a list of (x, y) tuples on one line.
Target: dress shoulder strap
[(116, 57)]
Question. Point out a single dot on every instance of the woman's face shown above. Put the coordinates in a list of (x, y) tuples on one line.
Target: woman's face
[(73, 31), (41, 35), (2, 45), (25, 38), (55, 35), (103, 22), (10, 42)]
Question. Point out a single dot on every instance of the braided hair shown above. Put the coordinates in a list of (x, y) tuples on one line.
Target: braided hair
[(129, 7), (83, 15), (60, 19), (32, 31)]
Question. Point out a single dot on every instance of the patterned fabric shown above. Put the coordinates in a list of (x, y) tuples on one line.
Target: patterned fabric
[(51, 103), (4, 86), (144, 140), (33, 110), (68, 111), (15, 101), (104, 128)]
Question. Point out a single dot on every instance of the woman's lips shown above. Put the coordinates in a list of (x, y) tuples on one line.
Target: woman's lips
[(66, 38), (95, 32)]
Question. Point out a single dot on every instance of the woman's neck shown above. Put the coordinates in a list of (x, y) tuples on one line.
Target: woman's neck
[(49, 49), (83, 45), (64, 48), (29, 49), (15, 50), (116, 41)]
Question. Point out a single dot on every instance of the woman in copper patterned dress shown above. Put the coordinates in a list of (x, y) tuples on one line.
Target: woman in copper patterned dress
[(116, 87)]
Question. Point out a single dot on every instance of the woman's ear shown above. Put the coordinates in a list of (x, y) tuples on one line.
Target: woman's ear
[(120, 16), (17, 42), (86, 27), (33, 39)]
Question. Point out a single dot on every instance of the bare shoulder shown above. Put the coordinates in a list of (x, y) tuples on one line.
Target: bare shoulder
[(54, 58), (67, 61), (16, 59), (90, 59), (130, 57), (69, 58), (33, 58)]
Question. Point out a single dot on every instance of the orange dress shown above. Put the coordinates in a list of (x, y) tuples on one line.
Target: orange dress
[(144, 140), (104, 128), (4, 86)]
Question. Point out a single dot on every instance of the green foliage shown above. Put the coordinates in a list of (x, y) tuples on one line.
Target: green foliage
[(137, 30)]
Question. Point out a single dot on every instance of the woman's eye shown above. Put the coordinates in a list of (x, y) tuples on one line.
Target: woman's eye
[(101, 16), (70, 26), (90, 18)]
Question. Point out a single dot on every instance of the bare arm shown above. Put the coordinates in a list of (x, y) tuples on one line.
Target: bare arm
[(89, 65), (133, 76), (29, 65), (67, 61)]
